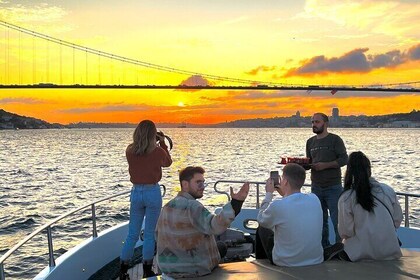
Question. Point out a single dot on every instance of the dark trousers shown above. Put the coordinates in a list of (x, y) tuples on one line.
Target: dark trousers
[(264, 243)]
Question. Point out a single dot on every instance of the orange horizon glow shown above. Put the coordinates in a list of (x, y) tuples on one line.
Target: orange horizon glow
[(314, 42)]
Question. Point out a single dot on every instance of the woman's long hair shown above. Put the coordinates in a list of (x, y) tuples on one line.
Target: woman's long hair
[(357, 179), (144, 138)]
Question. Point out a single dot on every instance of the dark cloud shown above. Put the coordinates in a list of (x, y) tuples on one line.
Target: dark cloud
[(355, 61), (414, 52), (21, 100), (196, 80), (261, 68), (388, 59), (106, 109)]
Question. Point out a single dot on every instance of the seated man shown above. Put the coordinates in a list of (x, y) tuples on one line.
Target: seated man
[(296, 220), (186, 246)]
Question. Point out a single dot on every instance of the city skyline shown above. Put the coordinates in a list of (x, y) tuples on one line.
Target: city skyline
[(311, 42)]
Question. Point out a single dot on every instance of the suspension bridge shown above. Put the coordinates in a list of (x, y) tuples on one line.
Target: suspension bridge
[(34, 60)]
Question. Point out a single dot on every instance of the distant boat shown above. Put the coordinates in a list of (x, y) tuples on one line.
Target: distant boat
[(182, 125)]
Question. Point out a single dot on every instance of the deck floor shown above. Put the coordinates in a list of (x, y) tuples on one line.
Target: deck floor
[(408, 267)]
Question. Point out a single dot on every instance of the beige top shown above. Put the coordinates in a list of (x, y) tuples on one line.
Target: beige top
[(370, 235)]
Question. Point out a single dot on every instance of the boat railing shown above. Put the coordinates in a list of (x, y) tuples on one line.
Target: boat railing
[(258, 184), (49, 225), (407, 206)]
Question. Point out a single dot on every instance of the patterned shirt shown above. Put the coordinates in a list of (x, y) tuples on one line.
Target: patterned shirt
[(186, 246)]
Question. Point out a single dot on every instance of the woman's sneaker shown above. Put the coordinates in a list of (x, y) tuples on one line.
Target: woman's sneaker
[(332, 251)]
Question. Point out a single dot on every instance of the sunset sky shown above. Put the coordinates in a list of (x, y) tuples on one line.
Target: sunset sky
[(311, 42)]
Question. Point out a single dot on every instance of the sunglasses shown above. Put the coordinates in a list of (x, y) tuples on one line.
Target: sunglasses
[(202, 185)]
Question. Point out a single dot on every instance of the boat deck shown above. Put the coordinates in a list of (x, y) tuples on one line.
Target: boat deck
[(408, 267)]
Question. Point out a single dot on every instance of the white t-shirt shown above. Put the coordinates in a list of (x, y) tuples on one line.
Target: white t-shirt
[(297, 224)]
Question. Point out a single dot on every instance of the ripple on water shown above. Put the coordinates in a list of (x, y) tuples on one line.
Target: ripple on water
[(21, 223), (94, 166)]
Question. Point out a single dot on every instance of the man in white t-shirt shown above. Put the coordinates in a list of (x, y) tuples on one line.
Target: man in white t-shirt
[(295, 219)]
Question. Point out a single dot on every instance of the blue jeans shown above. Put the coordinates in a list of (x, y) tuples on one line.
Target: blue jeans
[(145, 201), (328, 197)]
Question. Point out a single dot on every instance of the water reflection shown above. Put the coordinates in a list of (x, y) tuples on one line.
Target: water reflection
[(45, 173)]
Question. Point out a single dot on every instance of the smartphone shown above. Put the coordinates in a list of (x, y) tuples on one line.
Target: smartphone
[(274, 175)]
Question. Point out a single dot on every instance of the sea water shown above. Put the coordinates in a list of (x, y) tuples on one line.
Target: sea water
[(46, 173)]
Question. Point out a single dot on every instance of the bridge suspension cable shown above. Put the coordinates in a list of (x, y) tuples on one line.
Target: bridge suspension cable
[(130, 60), (114, 57)]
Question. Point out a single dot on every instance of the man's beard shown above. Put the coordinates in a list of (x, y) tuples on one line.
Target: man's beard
[(318, 130)]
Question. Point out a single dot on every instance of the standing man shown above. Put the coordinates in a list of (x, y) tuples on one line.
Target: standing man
[(328, 154), (290, 227), (186, 246)]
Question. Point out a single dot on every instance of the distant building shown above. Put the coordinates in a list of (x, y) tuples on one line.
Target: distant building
[(335, 113), (335, 118), (297, 114)]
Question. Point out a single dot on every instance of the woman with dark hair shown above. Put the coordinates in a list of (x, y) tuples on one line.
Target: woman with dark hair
[(145, 159), (368, 214)]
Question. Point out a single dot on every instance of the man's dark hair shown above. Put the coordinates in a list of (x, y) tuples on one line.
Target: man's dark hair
[(188, 172), (323, 116), (295, 174)]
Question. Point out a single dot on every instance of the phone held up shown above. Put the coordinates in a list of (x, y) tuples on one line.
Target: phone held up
[(274, 175)]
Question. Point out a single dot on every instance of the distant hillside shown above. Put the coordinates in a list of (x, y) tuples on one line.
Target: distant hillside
[(407, 120), (14, 121), (101, 125), (130, 125)]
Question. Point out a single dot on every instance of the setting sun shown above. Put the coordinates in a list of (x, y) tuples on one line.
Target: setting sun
[(181, 104)]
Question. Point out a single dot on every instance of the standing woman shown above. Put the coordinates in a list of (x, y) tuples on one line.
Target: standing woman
[(368, 215), (145, 161)]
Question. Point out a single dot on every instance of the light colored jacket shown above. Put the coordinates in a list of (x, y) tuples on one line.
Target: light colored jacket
[(186, 246), (296, 221), (370, 235)]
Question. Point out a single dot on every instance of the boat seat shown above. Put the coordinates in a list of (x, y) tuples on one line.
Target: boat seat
[(408, 267)]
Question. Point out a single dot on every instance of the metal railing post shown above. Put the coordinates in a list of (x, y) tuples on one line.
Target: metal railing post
[(51, 260), (258, 196), (94, 230), (2, 276), (407, 216)]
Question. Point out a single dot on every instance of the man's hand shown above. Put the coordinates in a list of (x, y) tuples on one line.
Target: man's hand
[(318, 166), (241, 194), (325, 165), (269, 185)]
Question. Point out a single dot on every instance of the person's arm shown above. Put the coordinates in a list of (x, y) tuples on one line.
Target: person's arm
[(345, 218), (341, 157), (397, 214), (341, 152), (308, 149), (166, 157), (209, 223), (239, 197), (266, 215)]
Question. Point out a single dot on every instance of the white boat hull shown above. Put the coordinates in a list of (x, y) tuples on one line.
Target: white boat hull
[(86, 259)]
